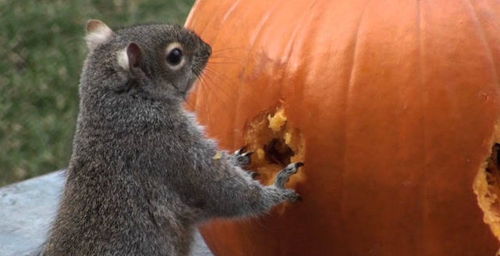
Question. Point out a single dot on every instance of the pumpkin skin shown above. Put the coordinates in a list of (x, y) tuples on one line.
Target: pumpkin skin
[(397, 103)]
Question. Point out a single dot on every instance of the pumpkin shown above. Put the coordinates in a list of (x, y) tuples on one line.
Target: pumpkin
[(391, 105)]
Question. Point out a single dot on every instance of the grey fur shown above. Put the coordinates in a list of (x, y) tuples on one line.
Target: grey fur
[(142, 173)]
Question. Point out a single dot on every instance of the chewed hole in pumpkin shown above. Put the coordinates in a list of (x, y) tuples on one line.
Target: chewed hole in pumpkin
[(276, 144), (487, 189), (278, 152), (493, 165)]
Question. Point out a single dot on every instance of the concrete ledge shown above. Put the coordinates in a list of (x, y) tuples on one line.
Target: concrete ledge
[(27, 209)]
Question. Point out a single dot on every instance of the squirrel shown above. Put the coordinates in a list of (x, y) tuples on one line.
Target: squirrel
[(142, 174)]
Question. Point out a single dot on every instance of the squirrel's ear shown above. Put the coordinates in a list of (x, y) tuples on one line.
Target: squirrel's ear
[(130, 57), (97, 33)]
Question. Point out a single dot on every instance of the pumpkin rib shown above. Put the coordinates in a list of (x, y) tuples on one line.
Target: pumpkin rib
[(260, 26), (253, 39), (230, 10), (482, 36), (414, 28), (292, 43), (281, 243), (422, 190), (355, 45), (192, 19), (426, 208), (346, 116)]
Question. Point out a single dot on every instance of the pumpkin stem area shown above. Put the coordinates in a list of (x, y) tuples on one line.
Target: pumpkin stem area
[(276, 144), (487, 189)]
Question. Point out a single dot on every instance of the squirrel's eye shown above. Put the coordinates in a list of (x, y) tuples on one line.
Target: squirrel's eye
[(174, 57)]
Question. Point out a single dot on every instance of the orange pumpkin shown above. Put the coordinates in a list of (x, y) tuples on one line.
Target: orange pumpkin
[(392, 105)]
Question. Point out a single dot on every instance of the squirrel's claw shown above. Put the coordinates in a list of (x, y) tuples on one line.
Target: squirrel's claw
[(242, 157), (241, 150)]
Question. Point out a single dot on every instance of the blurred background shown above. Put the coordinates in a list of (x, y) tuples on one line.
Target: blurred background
[(41, 55)]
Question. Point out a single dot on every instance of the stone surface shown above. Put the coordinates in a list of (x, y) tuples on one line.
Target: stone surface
[(27, 209)]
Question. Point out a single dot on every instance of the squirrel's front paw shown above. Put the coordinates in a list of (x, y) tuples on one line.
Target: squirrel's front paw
[(284, 175), (242, 158)]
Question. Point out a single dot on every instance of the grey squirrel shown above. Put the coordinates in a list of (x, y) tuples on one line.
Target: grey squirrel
[(142, 174)]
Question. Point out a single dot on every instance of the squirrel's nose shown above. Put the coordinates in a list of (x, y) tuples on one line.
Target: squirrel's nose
[(209, 49)]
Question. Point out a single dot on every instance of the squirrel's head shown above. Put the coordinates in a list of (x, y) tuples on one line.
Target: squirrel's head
[(144, 62)]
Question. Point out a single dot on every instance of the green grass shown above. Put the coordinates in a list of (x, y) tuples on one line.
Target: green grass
[(41, 55)]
